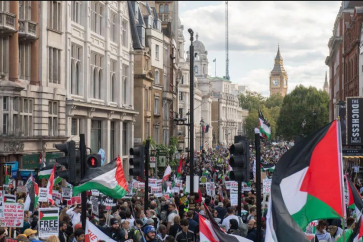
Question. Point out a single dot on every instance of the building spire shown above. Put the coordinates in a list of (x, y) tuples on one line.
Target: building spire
[(278, 55)]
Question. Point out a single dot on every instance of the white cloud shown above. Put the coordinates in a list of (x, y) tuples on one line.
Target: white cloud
[(302, 29)]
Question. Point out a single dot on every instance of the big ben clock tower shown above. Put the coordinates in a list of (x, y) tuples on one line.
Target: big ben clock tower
[(278, 76)]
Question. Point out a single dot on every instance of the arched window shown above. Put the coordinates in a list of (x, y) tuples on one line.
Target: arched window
[(161, 8), (166, 8)]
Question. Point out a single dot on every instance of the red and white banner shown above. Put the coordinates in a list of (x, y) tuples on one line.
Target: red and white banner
[(93, 234)]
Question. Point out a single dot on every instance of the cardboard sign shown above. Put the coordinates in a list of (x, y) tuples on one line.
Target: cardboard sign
[(57, 197), (74, 200), (1, 204), (13, 215), (43, 194), (48, 223), (66, 192)]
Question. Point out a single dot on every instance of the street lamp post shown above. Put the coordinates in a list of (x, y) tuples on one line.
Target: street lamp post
[(201, 134), (303, 126), (314, 116), (191, 122)]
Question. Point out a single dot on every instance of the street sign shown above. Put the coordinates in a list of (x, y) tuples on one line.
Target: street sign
[(162, 161), (152, 161)]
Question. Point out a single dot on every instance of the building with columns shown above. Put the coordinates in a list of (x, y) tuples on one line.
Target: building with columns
[(32, 81), (99, 66)]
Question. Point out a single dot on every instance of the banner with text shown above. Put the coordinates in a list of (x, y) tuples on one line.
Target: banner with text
[(48, 223)]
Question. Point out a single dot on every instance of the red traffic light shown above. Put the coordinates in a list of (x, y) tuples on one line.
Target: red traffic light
[(93, 160)]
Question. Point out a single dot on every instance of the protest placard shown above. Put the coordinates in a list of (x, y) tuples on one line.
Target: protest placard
[(93, 234), (66, 192), (152, 182), (95, 193), (13, 215), (266, 186), (156, 191), (48, 223), (21, 189), (57, 197), (43, 194), (95, 207), (108, 202), (234, 196), (141, 185), (159, 182), (74, 200), (1, 204)]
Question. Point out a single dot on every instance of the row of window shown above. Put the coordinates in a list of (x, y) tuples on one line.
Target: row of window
[(156, 134)]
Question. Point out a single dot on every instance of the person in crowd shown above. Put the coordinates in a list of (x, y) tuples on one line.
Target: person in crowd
[(192, 222), (114, 231), (63, 237), (78, 235), (2, 234), (185, 235), (230, 216), (136, 233), (252, 230), (31, 234), (52, 238), (321, 233), (150, 234), (169, 238), (233, 227), (215, 215), (162, 232), (22, 238), (175, 228), (173, 213), (129, 217), (197, 234), (253, 213), (75, 213), (221, 210)]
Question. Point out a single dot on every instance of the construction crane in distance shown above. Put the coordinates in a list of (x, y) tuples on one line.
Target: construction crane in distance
[(227, 57)]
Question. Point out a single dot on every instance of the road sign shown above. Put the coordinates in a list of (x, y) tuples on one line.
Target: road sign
[(152, 161)]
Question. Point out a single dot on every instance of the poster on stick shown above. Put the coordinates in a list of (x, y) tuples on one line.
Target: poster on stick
[(48, 223)]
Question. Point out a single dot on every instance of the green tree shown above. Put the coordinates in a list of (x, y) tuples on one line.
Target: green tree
[(251, 101), (275, 100), (299, 105)]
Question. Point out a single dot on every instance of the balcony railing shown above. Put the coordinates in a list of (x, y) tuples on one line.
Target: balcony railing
[(27, 29), (7, 23)]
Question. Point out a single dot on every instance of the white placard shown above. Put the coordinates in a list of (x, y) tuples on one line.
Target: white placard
[(48, 223), (266, 186), (43, 194), (1, 204), (57, 197), (152, 182), (66, 192), (234, 196), (13, 215), (157, 191)]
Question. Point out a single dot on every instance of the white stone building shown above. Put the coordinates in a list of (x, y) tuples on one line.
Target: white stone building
[(99, 76)]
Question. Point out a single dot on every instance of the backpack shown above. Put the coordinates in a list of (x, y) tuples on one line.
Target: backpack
[(243, 228)]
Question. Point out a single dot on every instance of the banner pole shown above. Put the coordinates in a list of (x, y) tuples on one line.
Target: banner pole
[(341, 173)]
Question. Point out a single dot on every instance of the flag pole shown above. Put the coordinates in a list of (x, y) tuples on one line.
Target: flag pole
[(341, 173)]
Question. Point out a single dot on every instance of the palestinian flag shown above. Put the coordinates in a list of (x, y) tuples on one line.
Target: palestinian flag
[(357, 231), (179, 171), (32, 198), (167, 173), (9, 198), (45, 174), (50, 185), (48, 214), (268, 167), (264, 126), (108, 179), (355, 201), (40, 158), (6, 182), (211, 232), (306, 185)]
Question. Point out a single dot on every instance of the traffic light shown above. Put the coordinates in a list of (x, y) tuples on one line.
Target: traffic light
[(137, 161), (240, 161), (92, 161), (69, 162)]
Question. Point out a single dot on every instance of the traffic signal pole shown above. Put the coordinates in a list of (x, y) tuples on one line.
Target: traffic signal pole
[(239, 208), (258, 185), (82, 150), (147, 161)]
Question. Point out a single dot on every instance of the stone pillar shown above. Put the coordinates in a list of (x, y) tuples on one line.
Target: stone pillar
[(107, 141), (14, 45), (34, 78), (88, 132)]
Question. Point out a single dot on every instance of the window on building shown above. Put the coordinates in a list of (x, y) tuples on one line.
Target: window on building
[(156, 105), (55, 15), (180, 112), (112, 140), (76, 11), (23, 116), (165, 110), (4, 53), (156, 134), (124, 83), (166, 10), (113, 81), (157, 77), (124, 138), (165, 137), (146, 100), (96, 67), (6, 113), (196, 69), (76, 57), (75, 126), (52, 118), (147, 131), (4, 6), (124, 33), (54, 61), (181, 96), (96, 17), (157, 52), (161, 8), (96, 135), (25, 10), (113, 31), (24, 61)]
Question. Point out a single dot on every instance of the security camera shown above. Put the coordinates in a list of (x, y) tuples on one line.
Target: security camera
[(190, 31)]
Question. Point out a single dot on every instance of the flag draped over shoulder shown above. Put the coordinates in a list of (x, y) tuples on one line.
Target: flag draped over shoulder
[(299, 192), (108, 179), (211, 232), (264, 126)]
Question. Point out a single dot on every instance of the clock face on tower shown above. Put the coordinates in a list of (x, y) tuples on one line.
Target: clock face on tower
[(275, 82)]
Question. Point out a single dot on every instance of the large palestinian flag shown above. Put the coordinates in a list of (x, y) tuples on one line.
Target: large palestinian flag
[(108, 179), (306, 186), (354, 201), (264, 126)]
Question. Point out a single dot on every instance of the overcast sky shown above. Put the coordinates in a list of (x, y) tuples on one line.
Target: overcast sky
[(255, 28)]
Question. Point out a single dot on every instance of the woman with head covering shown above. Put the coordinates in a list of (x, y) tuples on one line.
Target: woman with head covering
[(233, 227)]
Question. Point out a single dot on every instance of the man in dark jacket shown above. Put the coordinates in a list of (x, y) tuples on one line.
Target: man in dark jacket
[(185, 235), (114, 231), (222, 211), (252, 230), (63, 237)]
